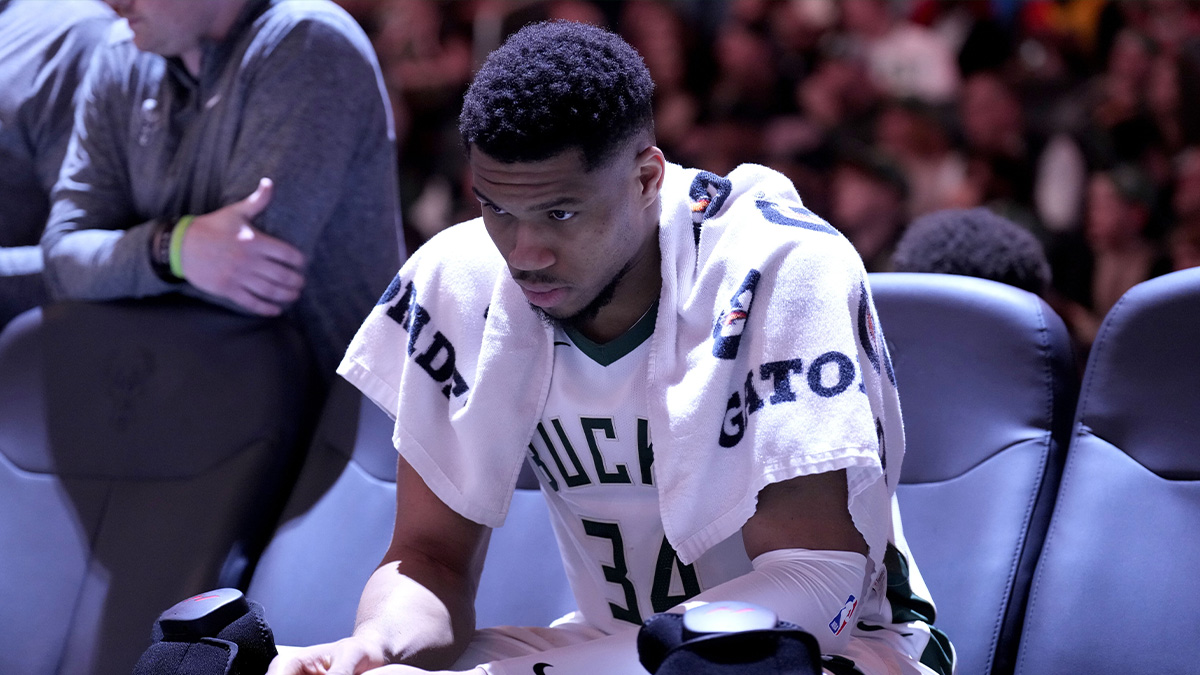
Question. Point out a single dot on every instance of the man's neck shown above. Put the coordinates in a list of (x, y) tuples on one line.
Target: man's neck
[(636, 294)]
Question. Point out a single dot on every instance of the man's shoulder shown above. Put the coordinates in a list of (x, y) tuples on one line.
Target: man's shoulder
[(319, 20), (757, 206)]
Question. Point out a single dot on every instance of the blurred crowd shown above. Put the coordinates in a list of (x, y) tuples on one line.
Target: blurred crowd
[(1076, 119)]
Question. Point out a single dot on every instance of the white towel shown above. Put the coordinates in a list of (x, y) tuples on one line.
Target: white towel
[(766, 363)]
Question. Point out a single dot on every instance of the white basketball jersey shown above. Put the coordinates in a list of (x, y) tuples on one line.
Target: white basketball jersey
[(593, 452), (594, 456)]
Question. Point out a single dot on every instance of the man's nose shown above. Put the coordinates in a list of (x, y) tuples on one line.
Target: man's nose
[(530, 251)]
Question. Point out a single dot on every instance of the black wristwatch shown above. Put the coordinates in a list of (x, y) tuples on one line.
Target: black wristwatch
[(160, 251)]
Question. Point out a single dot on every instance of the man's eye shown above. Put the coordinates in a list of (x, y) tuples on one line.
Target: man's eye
[(495, 209), (562, 215)]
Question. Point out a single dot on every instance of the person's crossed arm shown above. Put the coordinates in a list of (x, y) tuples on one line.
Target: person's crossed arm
[(223, 254), (314, 103), (418, 607)]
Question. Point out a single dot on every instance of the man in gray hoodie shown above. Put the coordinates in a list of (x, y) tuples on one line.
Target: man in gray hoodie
[(44, 51), (239, 151)]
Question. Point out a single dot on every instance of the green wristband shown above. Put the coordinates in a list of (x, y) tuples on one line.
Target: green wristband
[(177, 245)]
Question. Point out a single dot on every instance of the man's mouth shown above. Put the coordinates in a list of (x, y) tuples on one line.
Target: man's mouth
[(542, 295)]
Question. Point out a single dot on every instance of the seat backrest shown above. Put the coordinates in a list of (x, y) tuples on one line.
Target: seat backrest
[(987, 387), (1115, 589), (336, 526), (338, 523), (144, 447)]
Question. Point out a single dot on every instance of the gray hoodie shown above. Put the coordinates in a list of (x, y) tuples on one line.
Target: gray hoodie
[(293, 93)]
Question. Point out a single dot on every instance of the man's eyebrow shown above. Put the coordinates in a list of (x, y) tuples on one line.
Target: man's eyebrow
[(543, 206), (555, 203), (480, 195)]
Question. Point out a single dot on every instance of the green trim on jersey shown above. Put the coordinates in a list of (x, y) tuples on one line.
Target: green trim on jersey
[(907, 606), (614, 350), (839, 665)]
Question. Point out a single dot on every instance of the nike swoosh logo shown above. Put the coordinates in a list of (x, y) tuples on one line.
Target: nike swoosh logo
[(540, 668)]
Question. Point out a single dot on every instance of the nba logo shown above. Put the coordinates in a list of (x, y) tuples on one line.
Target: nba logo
[(728, 328), (843, 617)]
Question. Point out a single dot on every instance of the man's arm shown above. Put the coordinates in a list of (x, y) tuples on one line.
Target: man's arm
[(808, 556), (808, 512), (418, 607), (94, 246), (312, 105)]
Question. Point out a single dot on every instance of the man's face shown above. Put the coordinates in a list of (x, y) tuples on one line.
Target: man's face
[(167, 27), (568, 235)]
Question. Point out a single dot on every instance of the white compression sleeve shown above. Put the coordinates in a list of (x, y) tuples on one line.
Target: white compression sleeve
[(807, 588)]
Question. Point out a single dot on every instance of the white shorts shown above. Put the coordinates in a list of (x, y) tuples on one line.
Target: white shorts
[(580, 649)]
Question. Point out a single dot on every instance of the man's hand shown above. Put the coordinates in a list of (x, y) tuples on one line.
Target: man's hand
[(349, 656), (412, 670), (223, 254)]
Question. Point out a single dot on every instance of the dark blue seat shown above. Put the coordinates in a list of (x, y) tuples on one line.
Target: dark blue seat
[(338, 522), (1115, 590), (144, 448), (987, 387)]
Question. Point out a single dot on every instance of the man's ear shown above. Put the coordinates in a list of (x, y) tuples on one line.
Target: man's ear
[(651, 167)]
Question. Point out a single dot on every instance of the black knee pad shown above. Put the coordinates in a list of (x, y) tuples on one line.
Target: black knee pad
[(214, 633), (669, 646)]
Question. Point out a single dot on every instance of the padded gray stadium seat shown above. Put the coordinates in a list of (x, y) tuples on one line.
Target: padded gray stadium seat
[(1115, 590), (336, 526), (143, 449), (338, 523), (987, 387)]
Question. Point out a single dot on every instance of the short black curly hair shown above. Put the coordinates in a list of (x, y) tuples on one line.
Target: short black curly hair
[(557, 85), (974, 242)]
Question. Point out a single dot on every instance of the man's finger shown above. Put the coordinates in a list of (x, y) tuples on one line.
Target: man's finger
[(271, 248), (282, 252), (279, 275), (258, 200), (269, 290), (252, 303)]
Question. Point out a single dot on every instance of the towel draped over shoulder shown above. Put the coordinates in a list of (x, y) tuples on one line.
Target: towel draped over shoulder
[(766, 363)]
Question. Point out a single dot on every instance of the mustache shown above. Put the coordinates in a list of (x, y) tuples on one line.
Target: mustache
[(535, 277)]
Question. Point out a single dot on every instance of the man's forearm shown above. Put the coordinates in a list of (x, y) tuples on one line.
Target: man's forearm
[(100, 264), (417, 612), (807, 588)]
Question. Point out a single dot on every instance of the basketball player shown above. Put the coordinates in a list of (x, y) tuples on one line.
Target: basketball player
[(691, 362)]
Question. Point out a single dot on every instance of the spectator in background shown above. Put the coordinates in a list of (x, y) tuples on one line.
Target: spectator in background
[(838, 97), (869, 204), (1120, 128), (1185, 247), (1002, 154), (1185, 200), (240, 151), (1184, 239), (976, 243), (905, 59), (917, 136), (425, 56), (44, 51), (1120, 250), (659, 33)]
